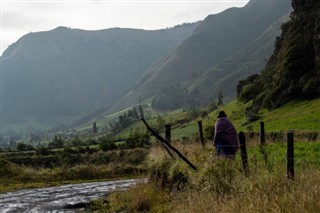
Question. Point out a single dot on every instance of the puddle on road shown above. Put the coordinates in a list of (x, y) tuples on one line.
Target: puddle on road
[(56, 199)]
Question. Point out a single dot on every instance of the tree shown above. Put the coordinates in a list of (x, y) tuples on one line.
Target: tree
[(138, 139), (41, 150), (193, 114), (141, 113), (35, 138), (21, 147), (94, 127), (12, 143), (220, 98), (203, 114), (105, 144), (57, 142), (212, 106), (135, 113), (160, 123), (76, 141)]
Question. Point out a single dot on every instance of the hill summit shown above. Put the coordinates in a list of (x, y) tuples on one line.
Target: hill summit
[(61, 75), (193, 67)]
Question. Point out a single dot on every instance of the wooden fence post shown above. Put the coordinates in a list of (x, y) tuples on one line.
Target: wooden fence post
[(168, 145), (244, 156), (201, 133), (262, 134), (290, 155), (168, 132)]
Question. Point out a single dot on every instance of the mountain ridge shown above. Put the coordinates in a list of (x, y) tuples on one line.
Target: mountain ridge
[(71, 72), (227, 34)]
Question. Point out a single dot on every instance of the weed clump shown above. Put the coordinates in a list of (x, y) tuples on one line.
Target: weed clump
[(218, 176), (8, 169), (165, 173)]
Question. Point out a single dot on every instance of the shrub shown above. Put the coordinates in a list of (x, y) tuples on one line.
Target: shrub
[(218, 176), (142, 198), (165, 173), (105, 144), (138, 139), (7, 169), (42, 150), (24, 147)]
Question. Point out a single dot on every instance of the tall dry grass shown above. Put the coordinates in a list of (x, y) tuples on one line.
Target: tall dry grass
[(220, 185), (98, 166)]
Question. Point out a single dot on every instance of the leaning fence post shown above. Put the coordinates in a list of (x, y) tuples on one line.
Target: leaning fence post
[(290, 155), (201, 133), (262, 134), (168, 132), (243, 149), (168, 145)]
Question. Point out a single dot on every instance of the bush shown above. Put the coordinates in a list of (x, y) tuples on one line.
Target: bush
[(57, 142), (165, 173), (138, 139), (142, 198), (7, 169), (24, 147), (209, 131), (106, 144), (42, 150), (218, 176)]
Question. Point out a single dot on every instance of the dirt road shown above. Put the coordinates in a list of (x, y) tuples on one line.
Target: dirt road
[(66, 198)]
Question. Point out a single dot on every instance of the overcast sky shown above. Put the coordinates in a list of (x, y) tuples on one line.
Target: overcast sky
[(20, 17)]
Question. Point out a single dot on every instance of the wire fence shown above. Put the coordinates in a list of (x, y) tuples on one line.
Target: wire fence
[(267, 153)]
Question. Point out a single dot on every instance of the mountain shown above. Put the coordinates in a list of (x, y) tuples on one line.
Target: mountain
[(216, 38), (249, 60), (63, 74), (293, 70)]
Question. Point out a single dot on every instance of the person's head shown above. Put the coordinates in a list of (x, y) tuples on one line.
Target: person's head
[(222, 114)]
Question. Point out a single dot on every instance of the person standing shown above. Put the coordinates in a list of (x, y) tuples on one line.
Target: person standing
[(225, 137)]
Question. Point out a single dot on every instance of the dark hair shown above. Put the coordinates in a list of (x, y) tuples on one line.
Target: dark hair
[(222, 114)]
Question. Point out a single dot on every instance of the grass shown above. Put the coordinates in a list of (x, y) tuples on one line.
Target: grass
[(60, 168), (295, 115), (188, 130), (104, 120), (220, 185)]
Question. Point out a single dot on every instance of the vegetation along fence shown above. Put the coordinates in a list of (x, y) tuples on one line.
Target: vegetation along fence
[(290, 158)]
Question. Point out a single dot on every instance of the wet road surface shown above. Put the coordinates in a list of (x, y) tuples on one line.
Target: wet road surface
[(58, 199)]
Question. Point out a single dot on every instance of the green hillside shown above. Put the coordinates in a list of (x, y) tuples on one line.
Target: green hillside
[(301, 116), (293, 71), (249, 60), (295, 115), (48, 76), (216, 38)]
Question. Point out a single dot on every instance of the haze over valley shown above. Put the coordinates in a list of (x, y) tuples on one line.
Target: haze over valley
[(55, 78)]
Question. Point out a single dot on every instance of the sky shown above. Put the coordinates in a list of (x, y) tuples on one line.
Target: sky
[(19, 17)]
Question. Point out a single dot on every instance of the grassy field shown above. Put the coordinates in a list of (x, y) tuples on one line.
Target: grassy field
[(221, 185), (296, 115), (28, 170), (299, 116)]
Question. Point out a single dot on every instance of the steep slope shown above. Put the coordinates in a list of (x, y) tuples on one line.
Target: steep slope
[(293, 71), (251, 59), (69, 72), (217, 37)]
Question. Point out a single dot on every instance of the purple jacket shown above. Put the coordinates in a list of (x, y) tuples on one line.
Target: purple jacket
[(225, 131)]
